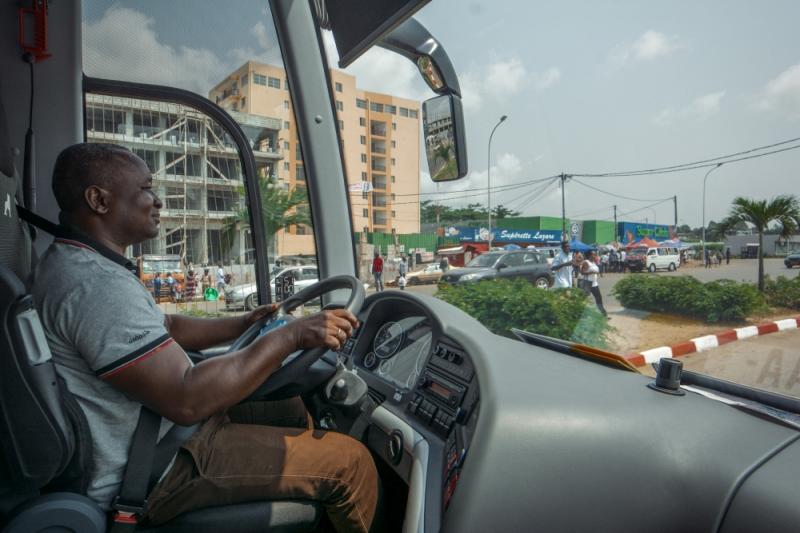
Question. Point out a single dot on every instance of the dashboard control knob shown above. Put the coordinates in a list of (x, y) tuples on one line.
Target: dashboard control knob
[(339, 390), (394, 447)]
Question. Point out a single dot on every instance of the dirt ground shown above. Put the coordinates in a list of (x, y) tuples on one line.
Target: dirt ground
[(639, 330)]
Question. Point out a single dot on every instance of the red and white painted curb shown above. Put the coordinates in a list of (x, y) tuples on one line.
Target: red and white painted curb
[(709, 342)]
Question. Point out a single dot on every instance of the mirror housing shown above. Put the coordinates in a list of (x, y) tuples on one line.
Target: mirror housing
[(501, 266), (442, 116), (445, 145)]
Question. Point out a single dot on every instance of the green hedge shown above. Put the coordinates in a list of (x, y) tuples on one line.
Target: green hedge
[(504, 304), (715, 301), (783, 292)]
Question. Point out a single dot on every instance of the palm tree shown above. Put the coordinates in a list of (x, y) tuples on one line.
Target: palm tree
[(280, 209), (783, 209)]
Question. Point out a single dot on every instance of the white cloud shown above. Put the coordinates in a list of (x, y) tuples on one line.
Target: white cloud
[(259, 31), (502, 79), (382, 71), (123, 45), (782, 93), (547, 78), (648, 46), (505, 78), (699, 109)]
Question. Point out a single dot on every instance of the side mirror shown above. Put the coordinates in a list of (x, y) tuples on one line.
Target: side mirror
[(501, 266), (442, 116), (445, 146)]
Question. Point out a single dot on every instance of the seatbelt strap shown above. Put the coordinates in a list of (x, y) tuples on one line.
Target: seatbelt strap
[(37, 222), (130, 503)]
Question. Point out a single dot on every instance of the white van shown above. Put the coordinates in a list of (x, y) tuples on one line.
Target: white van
[(652, 259), (550, 252)]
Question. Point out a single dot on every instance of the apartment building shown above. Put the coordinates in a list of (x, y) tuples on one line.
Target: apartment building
[(381, 144), (196, 173)]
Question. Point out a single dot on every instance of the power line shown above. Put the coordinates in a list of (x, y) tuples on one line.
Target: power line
[(643, 208), (509, 186), (688, 166), (615, 195), (532, 198), (584, 213)]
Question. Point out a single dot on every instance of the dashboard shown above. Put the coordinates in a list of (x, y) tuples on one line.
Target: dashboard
[(425, 379)]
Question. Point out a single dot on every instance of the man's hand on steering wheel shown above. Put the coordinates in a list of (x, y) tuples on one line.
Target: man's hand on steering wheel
[(328, 329), (259, 313)]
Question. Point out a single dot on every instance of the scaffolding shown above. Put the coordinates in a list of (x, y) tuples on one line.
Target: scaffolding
[(196, 171)]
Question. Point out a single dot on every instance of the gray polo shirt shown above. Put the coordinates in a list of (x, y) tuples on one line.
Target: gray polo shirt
[(98, 319)]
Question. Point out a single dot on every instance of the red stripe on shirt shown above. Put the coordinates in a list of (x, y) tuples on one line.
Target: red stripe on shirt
[(139, 359)]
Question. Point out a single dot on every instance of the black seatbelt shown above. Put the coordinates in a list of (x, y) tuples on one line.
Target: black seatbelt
[(37, 222), (130, 503)]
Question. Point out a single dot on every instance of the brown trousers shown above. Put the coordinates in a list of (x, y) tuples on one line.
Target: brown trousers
[(252, 458)]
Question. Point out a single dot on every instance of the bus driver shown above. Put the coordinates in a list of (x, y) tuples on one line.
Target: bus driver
[(117, 351)]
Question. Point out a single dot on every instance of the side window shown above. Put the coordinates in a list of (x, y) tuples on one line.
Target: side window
[(309, 274), (196, 166), (513, 260)]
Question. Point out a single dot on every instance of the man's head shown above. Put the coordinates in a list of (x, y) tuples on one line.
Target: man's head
[(157, 275), (377, 253), (565, 246), (105, 187)]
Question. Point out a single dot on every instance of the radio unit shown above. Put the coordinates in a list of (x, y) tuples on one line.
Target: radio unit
[(437, 401)]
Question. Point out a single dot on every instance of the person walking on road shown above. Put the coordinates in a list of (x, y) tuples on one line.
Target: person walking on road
[(728, 256), (622, 257), (157, 286), (220, 280), (444, 264), (401, 271), (562, 267), (377, 271), (589, 271)]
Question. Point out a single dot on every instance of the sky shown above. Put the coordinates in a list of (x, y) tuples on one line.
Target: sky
[(588, 87)]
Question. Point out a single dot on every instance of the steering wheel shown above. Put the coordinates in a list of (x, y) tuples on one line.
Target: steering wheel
[(292, 369)]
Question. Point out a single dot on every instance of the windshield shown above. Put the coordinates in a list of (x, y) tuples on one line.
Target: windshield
[(485, 260), (652, 123)]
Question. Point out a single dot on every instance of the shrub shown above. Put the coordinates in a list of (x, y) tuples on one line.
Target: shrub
[(715, 301), (783, 292), (504, 304)]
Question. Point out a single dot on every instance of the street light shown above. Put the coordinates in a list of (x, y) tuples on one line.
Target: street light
[(489, 177), (712, 169)]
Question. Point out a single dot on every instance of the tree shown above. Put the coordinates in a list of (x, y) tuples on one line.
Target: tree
[(280, 209), (783, 210), (502, 211)]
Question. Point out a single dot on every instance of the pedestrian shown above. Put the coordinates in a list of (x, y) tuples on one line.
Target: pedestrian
[(728, 256), (190, 287), (622, 257), (377, 271), (205, 280), (707, 258), (172, 287), (603, 264), (562, 267), (157, 286), (402, 268), (444, 264), (220, 280), (589, 270), (613, 260)]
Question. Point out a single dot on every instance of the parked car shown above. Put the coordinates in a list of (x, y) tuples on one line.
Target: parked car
[(246, 295), (792, 260), (528, 264), (652, 259), (429, 274), (550, 252)]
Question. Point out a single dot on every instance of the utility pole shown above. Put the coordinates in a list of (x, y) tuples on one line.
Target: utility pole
[(616, 237), (563, 209), (489, 176), (675, 206)]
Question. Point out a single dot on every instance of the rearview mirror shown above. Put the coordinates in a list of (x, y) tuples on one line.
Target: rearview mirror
[(445, 146)]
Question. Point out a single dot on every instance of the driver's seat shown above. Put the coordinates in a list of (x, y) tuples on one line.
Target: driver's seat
[(44, 447)]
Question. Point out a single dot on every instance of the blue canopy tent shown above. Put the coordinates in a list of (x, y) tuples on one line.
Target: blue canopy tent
[(579, 246)]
